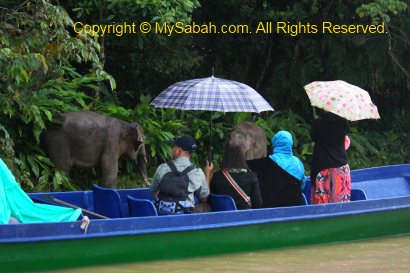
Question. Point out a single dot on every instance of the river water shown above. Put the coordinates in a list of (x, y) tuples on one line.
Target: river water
[(384, 255)]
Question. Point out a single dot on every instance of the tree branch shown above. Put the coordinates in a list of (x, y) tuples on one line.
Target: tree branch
[(267, 63)]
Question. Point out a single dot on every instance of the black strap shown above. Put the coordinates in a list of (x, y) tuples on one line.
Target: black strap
[(185, 171), (188, 169), (172, 166)]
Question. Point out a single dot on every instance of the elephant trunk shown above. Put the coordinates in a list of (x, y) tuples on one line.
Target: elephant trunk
[(143, 169), (142, 163)]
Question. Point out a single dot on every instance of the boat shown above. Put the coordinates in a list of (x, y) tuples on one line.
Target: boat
[(379, 207)]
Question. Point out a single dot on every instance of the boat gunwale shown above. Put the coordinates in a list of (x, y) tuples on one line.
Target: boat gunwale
[(325, 211)]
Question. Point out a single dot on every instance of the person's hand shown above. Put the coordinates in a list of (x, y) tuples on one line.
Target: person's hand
[(85, 223), (209, 167), (347, 142)]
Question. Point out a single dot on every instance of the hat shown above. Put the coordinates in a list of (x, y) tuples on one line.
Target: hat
[(187, 143)]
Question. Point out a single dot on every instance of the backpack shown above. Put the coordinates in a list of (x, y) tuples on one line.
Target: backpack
[(174, 184)]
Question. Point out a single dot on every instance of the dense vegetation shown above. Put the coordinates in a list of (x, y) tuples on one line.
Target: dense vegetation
[(46, 68)]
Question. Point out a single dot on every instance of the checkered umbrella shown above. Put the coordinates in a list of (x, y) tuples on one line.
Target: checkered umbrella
[(212, 94)]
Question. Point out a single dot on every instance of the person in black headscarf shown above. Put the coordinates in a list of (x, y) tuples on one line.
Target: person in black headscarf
[(330, 172)]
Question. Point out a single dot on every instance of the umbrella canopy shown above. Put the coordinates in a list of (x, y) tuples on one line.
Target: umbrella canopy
[(212, 94), (343, 99)]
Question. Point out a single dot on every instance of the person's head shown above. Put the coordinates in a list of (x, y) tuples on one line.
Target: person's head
[(183, 146), (282, 142), (234, 157), (326, 115)]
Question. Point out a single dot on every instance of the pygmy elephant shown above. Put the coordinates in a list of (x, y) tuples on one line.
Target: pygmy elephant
[(87, 139), (251, 137)]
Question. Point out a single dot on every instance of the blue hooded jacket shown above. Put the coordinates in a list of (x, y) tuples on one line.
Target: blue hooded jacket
[(284, 158)]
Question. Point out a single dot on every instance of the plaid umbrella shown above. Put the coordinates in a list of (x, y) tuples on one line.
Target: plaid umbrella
[(343, 99), (212, 94)]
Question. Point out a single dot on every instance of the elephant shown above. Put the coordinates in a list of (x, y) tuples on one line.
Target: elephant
[(86, 140), (251, 137)]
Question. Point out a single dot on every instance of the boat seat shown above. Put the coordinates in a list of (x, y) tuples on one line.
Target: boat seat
[(357, 194), (141, 207), (379, 187), (142, 193), (107, 202), (220, 202)]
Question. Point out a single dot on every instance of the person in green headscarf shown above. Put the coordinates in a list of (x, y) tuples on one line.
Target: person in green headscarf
[(17, 207)]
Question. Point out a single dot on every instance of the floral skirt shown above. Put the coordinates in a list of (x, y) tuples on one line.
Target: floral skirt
[(332, 185)]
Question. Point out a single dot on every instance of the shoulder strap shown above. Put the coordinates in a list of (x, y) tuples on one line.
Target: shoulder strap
[(188, 169), (172, 166), (237, 188), (185, 171)]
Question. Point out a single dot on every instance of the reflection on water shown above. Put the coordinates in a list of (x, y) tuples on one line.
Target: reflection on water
[(390, 254)]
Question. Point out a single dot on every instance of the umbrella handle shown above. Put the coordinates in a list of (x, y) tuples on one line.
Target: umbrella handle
[(210, 154), (210, 141)]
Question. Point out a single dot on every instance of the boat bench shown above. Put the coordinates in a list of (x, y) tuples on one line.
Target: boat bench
[(138, 202), (382, 182), (357, 195), (83, 199), (141, 207), (374, 186), (384, 188), (221, 202)]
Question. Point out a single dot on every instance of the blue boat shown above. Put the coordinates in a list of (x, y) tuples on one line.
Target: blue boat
[(380, 207)]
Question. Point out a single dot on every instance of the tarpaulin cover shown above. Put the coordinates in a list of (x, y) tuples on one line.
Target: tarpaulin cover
[(14, 202)]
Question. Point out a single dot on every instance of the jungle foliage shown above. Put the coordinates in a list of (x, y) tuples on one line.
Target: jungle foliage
[(46, 69)]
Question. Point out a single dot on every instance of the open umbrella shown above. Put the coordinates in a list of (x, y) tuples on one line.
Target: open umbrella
[(343, 99), (212, 94)]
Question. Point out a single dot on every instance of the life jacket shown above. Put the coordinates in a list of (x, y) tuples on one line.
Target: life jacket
[(173, 188)]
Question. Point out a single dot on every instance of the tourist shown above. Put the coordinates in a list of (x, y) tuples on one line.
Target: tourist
[(174, 183), (330, 172), (281, 175), (235, 179)]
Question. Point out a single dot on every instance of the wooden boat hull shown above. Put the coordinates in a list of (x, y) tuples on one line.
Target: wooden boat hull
[(38, 247)]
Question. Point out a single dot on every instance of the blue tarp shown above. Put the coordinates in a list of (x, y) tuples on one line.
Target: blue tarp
[(14, 202)]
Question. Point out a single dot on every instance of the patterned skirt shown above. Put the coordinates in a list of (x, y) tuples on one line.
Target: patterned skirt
[(332, 185)]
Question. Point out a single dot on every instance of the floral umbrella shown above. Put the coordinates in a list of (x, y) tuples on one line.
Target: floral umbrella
[(343, 99)]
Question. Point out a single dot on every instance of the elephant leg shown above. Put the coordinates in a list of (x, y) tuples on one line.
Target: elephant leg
[(109, 168), (58, 150)]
